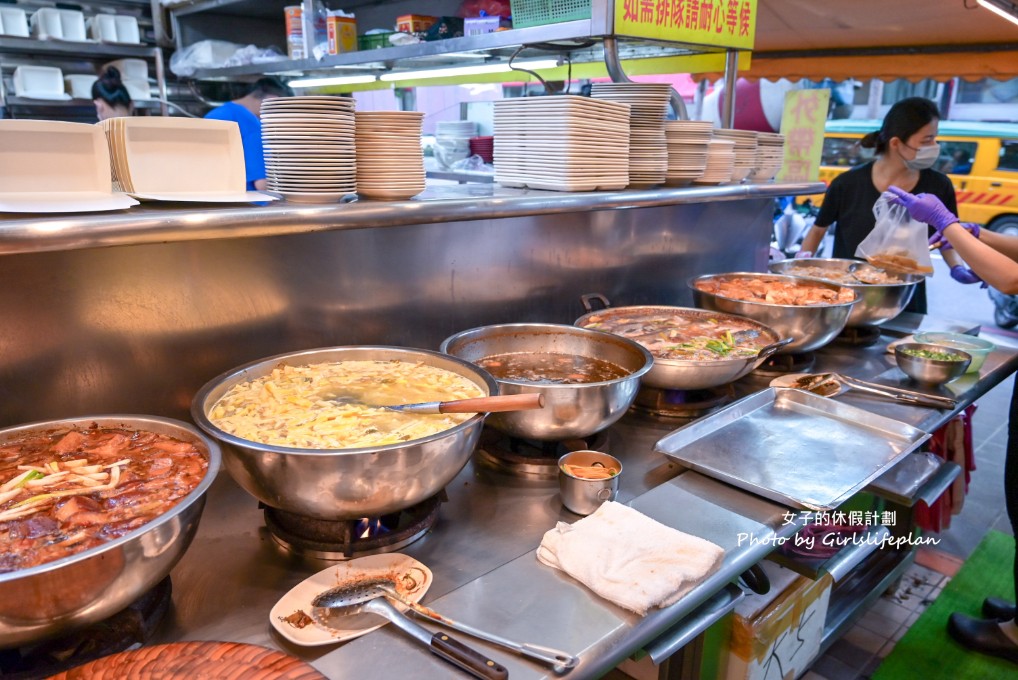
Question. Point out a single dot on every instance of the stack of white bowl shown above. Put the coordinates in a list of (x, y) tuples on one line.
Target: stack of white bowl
[(745, 151), (452, 140), (720, 162), (648, 155), (561, 143), (770, 155), (309, 147), (390, 162), (687, 141)]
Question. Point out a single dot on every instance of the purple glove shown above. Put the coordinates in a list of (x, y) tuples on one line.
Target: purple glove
[(803, 253), (939, 240), (924, 208), (963, 274)]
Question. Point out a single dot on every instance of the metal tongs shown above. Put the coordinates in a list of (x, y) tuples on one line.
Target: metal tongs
[(897, 393), (559, 661)]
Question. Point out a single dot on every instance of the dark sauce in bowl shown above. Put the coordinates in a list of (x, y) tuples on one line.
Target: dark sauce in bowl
[(549, 368)]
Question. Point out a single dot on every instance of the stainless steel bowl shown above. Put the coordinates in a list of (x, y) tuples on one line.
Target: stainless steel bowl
[(570, 411), (685, 374), (339, 484), (878, 302), (810, 327), (58, 597), (930, 371)]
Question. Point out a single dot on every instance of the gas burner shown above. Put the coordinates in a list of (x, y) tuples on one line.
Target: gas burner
[(783, 364), (682, 404), (346, 539), (858, 336), (126, 629), (534, 459)]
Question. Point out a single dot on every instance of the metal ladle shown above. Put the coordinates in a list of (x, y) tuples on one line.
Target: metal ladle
[(559, 661), (368, 598)]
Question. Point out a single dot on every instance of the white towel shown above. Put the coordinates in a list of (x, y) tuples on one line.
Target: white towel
[(629, 558)]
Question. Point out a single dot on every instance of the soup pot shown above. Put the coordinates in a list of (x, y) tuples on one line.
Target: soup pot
[(570, 410), (335, 484), (60, 596)]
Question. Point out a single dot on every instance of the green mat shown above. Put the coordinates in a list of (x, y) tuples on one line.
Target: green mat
[(927, 651)]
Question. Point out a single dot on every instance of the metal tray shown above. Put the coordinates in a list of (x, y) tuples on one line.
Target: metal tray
[(793, 447)]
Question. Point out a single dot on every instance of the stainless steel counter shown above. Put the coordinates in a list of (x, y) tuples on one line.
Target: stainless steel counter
[(482, 552), (163, 222)]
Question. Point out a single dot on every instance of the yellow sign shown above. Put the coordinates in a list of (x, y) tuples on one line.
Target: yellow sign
[(718, 23), (802, 124)]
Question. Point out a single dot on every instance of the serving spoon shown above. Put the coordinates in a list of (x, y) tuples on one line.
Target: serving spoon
[(367, 597), (497, 404)]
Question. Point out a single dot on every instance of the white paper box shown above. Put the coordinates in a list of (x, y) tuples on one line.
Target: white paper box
[(127, 29), (79, 86), (39, 82), (13, 21), (103, 27), (130, 69), (72, 25)]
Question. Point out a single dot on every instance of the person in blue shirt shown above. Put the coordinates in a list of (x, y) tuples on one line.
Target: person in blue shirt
[(246, 112)]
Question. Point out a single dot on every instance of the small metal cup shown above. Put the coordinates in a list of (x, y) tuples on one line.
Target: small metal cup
[(584, 496)]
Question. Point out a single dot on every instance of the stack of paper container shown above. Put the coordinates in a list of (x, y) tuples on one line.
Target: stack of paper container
[(770, 154), (688, 142), (390, 161), (745, 151), (561, 143), (648, 155)]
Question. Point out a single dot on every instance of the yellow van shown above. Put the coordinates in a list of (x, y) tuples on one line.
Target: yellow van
[(980, 158)]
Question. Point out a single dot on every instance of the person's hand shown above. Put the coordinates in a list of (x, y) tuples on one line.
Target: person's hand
[(924, 208), (963, 274), (939, 239), (803, 253)]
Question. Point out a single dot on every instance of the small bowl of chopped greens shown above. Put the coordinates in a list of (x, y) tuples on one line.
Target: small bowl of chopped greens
[(931, 364)]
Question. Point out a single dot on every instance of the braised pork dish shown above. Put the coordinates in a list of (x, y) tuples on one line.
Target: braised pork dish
[(862, 275), (66, 492), (775, 291), (673, 335), (338, 405)]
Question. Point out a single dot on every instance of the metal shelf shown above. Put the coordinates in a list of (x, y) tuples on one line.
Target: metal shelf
[(71, 103), (11, 44)]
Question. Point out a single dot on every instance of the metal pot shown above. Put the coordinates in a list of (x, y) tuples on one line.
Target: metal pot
[(336, 484), (878, 302), (570, 411), (683, 374), (58, 597), (810, 326)]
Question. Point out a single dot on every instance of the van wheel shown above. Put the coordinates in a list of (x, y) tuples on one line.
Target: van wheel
[(1003, 319), (1006, 225)]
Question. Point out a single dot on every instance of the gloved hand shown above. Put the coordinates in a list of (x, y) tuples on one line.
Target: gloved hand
[(924, 208), (803, 253), (939, 240), (963, 274)]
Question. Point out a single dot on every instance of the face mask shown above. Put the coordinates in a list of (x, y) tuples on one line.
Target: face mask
[(925, 157)]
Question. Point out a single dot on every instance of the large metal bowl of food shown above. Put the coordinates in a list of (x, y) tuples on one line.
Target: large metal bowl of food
[(588, 378), (693, 349), (931, 364), (812, 313), (100, 522), (882, 294), (307, 432)]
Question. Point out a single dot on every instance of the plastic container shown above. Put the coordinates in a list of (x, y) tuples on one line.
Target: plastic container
[(374, 41), (540, 12), (970, 344)]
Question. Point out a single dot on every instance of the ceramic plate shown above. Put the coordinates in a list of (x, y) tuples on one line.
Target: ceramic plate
[(415, 577)]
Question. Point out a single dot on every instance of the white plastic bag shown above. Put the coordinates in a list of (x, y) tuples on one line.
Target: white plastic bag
[(897, 242)]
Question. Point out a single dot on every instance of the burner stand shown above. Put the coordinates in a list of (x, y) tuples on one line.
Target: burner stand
[(858, 336), (343, 540), (783, 364), (126, 629), (682, 404), (533, 459)]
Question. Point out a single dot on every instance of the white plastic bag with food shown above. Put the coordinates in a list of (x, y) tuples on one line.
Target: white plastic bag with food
[(897, 243)]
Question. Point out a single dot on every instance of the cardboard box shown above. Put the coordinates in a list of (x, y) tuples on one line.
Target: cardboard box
[(414, 23), (481, 25), (780, 639), (342, 33)]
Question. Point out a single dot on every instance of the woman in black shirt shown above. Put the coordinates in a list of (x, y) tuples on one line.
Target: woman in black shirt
[(906, 148)]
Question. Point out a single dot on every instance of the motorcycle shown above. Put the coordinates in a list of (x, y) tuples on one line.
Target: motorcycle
[(1005, 308), (791, 223)]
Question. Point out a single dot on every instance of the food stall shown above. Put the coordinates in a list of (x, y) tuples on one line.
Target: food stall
[(133, 312)]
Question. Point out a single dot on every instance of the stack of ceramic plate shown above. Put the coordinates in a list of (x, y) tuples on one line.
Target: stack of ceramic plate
[(161, 158), (309, 147), (720, 162), (688, 141), (770, 154), (648, 155), (390, 162), (561, 143), (745, 151)]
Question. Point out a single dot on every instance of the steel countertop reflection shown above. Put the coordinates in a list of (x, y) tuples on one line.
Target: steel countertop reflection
[(481, 552)]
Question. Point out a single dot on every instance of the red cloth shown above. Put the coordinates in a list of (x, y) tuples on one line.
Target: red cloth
[(952, 442)]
